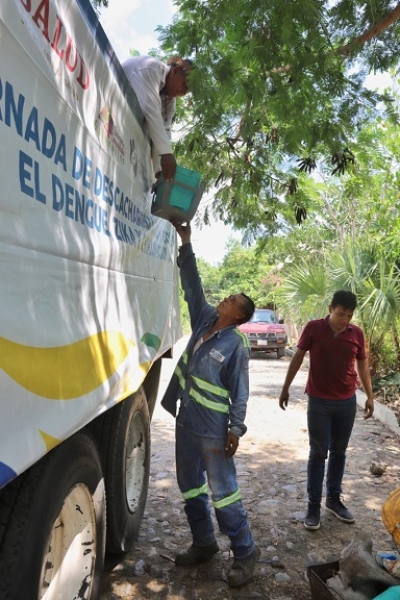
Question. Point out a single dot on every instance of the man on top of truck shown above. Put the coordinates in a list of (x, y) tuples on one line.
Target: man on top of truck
[(156, 86)]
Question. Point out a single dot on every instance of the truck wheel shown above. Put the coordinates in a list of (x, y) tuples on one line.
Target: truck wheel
[(123, 434), (52, 545), (280, 353)]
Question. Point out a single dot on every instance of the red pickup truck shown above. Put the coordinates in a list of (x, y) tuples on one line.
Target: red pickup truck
[(265, 332)]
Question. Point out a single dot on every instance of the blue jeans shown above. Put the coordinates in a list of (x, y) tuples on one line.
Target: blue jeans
[(330, 423), (196, 457)]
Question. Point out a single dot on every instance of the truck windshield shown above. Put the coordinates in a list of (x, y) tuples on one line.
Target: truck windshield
[(263, 317)]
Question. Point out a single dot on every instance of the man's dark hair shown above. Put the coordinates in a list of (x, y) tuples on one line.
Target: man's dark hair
[(344, 298), (248, 308)]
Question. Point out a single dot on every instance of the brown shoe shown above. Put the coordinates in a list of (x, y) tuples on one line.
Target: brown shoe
[(242, 570), (196, 554)]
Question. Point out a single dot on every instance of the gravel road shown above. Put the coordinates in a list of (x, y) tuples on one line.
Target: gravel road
[(271, 465)]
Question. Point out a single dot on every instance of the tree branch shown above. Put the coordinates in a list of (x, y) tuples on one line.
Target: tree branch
[(372, 32), (362, 39)]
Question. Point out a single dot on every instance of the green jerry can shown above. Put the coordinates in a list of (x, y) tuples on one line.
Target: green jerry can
[(178, 198)]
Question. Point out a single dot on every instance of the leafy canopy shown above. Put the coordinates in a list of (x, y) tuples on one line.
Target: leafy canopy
[(279, 86)]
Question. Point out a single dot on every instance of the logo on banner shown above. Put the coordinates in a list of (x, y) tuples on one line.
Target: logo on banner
[(108, 134)]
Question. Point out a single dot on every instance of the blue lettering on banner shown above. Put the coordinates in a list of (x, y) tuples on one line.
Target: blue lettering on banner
[(124, 233), (133, 237), (81, 168), (29, 177), (79, 208), (42, 136), (101, 193)]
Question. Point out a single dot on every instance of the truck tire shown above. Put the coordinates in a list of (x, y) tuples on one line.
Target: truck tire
[(123, 435), (52, 545), (280, 353)]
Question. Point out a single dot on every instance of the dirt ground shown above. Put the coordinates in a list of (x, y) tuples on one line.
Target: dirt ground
[(271, 465)]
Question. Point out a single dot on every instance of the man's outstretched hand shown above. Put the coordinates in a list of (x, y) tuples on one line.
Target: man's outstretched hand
[(168, 166), (184, 231)]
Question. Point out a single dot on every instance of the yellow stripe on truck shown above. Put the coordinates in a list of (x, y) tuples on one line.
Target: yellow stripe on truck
[(65, 372)]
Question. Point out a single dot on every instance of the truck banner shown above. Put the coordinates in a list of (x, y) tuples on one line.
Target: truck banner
[(88, 292)]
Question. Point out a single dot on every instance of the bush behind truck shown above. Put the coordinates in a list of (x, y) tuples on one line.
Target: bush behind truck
[(88, 302)]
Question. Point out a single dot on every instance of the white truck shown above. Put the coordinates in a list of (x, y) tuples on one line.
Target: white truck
[(89, 302)]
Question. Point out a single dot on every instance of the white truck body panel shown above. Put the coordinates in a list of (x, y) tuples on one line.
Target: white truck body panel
[(88, 277)]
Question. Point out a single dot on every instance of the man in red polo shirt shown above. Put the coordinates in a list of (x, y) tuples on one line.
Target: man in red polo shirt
[(335, 348)]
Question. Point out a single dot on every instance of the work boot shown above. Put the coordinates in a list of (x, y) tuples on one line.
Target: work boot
[(312, 518), (196, 554), (242, 570), (337, 508)]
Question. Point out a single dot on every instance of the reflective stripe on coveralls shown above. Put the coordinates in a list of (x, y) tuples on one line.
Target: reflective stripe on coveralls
[(206, 386), (228, 500), (195, 492), (180, 377), (218, 504), (212, 404), (178, 371), (244, 337), (209, 387)]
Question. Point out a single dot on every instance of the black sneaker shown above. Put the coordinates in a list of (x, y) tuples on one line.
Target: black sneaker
[(312, 518), (196, 554), (337, 508), (242, 570)]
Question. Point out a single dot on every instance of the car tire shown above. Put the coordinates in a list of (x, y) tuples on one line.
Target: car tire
[(53, 542), (280, 353), (123, 435)]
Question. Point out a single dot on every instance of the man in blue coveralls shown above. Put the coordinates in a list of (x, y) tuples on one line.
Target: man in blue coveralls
[(211, 381)]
